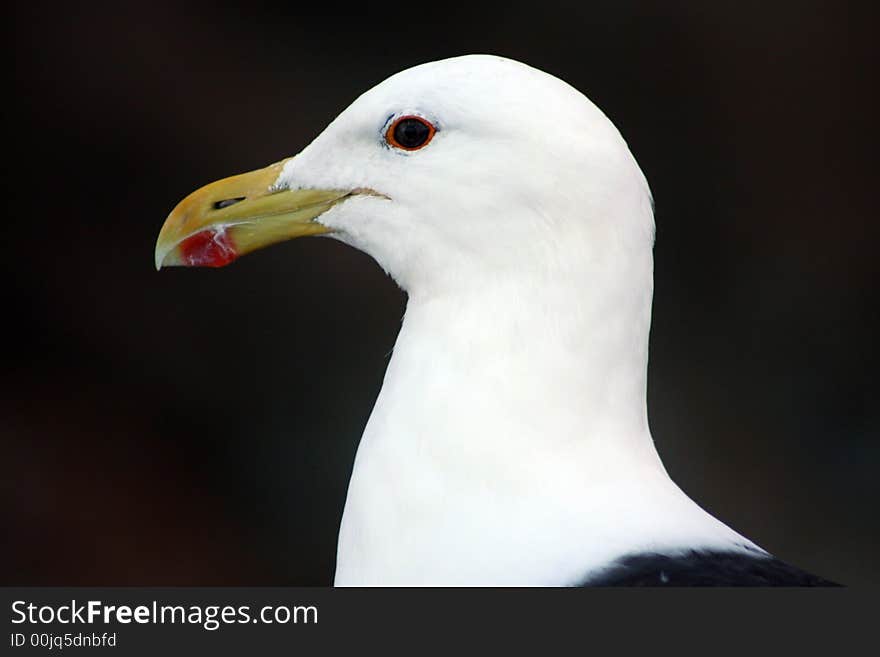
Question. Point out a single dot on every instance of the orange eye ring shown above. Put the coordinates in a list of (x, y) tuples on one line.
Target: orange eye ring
[(410, 133)]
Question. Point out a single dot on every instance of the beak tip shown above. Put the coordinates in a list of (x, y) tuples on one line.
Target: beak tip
[(159, 257), (164, 257)]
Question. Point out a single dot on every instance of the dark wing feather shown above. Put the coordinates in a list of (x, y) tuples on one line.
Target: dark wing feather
[(703, 568)]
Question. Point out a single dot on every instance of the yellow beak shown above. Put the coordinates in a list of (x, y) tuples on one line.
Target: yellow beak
[(231, 217)]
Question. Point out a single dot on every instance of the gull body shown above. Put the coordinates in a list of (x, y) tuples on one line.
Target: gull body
[(509, 444)]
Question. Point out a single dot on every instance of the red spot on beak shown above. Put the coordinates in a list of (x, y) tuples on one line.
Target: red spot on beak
[(208, 248)]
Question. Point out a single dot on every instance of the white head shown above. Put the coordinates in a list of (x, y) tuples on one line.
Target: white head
[(522, 172)]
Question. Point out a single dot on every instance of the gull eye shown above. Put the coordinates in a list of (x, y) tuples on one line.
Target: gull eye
[(410, 133)]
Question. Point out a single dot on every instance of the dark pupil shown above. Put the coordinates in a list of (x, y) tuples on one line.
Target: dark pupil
[(411, 133)]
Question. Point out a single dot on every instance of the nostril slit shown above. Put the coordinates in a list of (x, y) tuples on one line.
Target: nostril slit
[(225, 203)]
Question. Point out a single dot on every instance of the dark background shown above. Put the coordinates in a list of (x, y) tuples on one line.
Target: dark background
[(198, 426)]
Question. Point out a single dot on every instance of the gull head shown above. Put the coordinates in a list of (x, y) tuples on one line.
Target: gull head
[(464, 169)]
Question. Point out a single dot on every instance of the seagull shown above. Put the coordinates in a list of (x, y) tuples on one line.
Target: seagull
[(509, 445)]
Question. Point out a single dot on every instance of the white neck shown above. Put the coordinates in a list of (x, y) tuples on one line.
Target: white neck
[(510, 442)]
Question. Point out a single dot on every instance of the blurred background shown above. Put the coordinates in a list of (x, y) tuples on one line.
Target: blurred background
[(199, 426)]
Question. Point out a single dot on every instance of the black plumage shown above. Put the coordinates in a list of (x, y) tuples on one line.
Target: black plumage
[(703, 568)]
